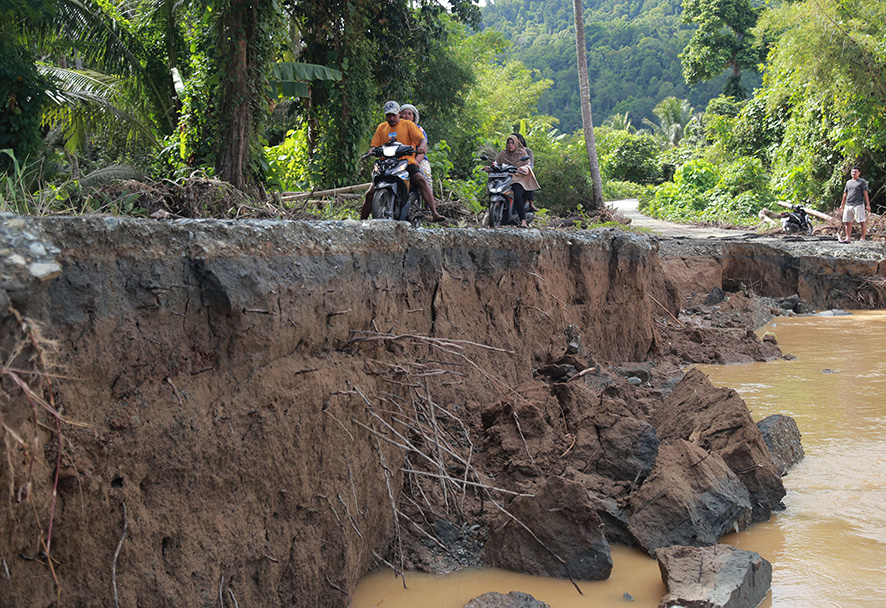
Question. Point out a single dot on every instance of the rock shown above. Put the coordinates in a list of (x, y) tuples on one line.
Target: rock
[(562, 518), (715, 297), (789, 303), (691, 498), (629, 449), (640, 371), (514, 599), (782, 437), (45, 271), (609, 500), (574, 344), (718, 420), (611, 439), (713, 577), (802, 308)]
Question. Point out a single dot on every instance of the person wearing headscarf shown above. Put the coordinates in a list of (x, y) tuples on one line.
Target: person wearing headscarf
[(515, 154), (529, 195), (410, 112)]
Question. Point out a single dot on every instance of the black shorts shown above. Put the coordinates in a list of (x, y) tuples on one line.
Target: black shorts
[(412, 169)]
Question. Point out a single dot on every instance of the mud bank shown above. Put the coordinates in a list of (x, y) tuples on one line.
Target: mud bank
[(207, 412)]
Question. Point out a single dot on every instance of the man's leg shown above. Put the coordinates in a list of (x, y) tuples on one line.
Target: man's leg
[(366, 209), (419, 180), (864, 229)]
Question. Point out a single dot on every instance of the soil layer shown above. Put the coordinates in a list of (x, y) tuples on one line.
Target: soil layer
[(213, 413)]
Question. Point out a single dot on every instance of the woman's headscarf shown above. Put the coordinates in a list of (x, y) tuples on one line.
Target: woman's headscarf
[(513, 158), (409, 106)]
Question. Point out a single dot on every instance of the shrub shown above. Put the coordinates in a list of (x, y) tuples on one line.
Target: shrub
[(629, 157), (734, 193)]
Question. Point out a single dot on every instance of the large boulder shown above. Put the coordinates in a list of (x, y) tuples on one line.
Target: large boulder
[(612, 438), (609, 499), (514, 599), (718, 421), (556, 533), (630, 447), (782, 437), (691, 498), (713, 577)]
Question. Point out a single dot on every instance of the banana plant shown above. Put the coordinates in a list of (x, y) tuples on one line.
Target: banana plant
[(291, 78)]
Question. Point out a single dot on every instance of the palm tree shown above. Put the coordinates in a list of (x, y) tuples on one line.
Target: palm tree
[(673, 115), (584, 88), (620, 122)]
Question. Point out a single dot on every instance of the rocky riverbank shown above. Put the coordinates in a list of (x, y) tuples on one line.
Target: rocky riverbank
[(265, 410)]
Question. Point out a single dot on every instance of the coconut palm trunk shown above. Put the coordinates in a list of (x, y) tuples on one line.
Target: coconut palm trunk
[(584, 87)]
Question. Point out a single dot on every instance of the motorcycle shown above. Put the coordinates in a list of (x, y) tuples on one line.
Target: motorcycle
[(796, 221), (499, 182), (394, 197)]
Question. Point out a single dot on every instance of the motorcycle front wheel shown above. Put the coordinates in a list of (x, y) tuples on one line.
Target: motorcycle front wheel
[(494, 215), (383, 205)]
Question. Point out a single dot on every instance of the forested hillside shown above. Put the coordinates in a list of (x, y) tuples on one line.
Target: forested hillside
[(633, 55)]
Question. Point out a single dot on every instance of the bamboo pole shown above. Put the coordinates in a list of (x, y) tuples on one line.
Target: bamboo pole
[(294, 196)]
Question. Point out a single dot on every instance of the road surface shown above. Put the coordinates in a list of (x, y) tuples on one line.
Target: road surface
[(628, 208)]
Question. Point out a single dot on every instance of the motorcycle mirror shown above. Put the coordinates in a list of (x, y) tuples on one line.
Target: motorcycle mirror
[(483, 157), (524, 157)]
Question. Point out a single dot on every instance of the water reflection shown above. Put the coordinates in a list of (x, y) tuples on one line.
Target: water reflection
[(828, 548)]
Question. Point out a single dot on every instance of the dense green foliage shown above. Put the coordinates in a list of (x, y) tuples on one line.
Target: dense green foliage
[(633, 55), (197, 89), (23, 93), (723, 39), (819, 111)]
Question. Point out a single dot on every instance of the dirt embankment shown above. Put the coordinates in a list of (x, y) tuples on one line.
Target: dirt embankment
[(210, 412)]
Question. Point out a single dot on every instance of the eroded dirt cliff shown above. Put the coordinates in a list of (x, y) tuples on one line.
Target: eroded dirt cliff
[(208, 412)]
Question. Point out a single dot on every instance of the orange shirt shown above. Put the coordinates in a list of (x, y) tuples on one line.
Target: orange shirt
[(405, 132)]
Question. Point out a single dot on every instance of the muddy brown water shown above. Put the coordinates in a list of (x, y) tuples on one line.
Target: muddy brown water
[(828, 548)]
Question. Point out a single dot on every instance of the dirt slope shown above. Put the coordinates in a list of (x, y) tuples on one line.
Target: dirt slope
[(209, 412)]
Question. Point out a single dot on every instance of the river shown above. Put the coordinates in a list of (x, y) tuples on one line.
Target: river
[(828, 547)]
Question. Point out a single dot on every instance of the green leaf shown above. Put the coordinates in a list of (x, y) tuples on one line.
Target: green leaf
[(291, 70), (289, 77)]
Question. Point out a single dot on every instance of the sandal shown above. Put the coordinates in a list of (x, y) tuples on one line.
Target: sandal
[(438, 218)]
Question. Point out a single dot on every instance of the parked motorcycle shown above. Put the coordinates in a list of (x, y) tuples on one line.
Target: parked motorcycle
[(796, 221), (394, 197), (499, 191)]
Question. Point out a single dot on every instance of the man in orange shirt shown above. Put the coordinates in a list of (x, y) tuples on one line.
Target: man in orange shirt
[(405, 132)]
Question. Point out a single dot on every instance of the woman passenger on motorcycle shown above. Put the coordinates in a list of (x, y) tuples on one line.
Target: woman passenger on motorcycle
[(515, 154), (529, 195), (410, 112)]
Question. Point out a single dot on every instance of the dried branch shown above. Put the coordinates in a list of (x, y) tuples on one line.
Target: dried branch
[(116, 555)]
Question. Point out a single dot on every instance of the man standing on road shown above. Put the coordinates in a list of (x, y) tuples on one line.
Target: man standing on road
[(854, 195), (405, 132)]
